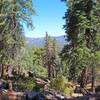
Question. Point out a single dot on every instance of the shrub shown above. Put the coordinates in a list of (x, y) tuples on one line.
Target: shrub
[(39, 88), (21, 86), (24, 84), (68, 90), (59, 84)]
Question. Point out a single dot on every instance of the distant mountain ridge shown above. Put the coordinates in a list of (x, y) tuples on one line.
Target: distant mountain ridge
[(40, 42)]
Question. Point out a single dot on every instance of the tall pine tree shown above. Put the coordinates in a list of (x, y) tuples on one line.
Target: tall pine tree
[(12, 14), (82, 21)]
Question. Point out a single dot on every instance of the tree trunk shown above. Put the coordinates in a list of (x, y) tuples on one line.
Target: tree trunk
[(49, 71), (10, 85), (93, 79), (84, 78), (2, 71)]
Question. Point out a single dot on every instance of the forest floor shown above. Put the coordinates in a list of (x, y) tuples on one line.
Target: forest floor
[(37, 93)]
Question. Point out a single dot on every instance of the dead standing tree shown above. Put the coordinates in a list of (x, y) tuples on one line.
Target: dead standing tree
[(49, 57)]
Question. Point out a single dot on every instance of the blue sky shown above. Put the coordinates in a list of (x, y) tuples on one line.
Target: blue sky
[(48, 18)]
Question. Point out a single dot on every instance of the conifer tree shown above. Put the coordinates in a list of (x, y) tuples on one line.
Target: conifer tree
[(12, 15), (82, 21)]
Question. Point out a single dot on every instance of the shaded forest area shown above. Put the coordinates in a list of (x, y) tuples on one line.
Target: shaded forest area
[(49, 73)]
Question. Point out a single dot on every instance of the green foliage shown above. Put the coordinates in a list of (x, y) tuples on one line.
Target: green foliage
[(51, 58), (12, 14), (39, 88), (82, 22), (68, 90), (32, 59), (97, 60), (21, 86), (59, 84), (39, 71), (24, 84)]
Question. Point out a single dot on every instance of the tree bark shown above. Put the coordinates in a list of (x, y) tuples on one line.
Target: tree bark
[(93, 79), (2, 71)]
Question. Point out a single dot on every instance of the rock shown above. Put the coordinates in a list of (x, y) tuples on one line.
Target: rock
[(11, 95), (92, 98), (77, 95), (32, 95), (3, 84)]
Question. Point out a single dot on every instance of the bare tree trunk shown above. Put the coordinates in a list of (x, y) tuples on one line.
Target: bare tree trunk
[(93, 79), (49, 71), (84, 77), (2, 71), (10, 85)]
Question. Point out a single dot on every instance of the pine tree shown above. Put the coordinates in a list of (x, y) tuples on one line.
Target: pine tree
[(81, 29), (50, 56), (12, 14)]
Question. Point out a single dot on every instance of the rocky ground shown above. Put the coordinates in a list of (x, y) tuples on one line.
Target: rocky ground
[(10, 94)]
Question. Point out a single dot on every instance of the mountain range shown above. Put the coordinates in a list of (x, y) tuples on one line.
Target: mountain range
[(40, 42)]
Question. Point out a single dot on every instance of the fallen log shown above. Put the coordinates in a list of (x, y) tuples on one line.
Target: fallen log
[(11, 95), (87, 97)]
